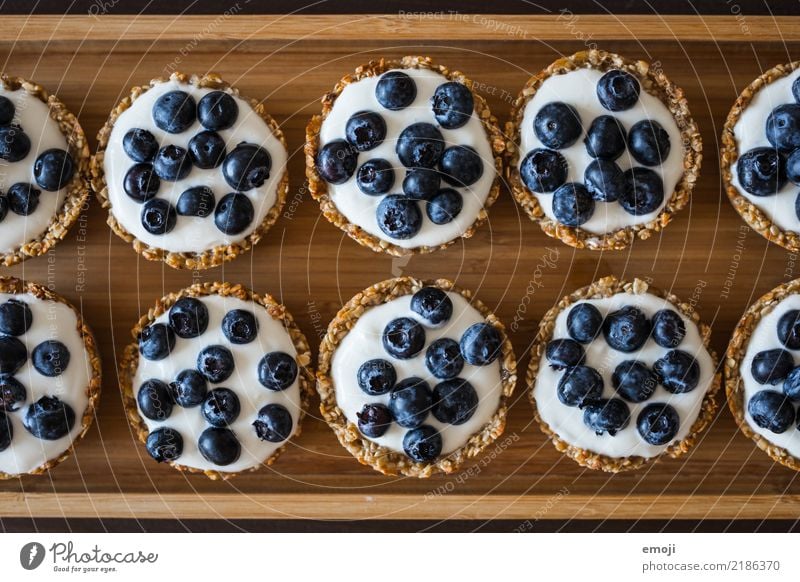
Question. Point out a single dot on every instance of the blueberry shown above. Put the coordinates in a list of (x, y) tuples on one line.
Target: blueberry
[(791, 386), (605, 138), (240, 326), (618, 90), (572, 204), (668, 328), (771, 366), (481, 344), (793, 167), (156, 341), (395, 90), (557, 125), (196, 201), (273, 423), (543, 170), (15, 317), (172, 163), (454, 401), (678, 371), (207, 150), (164, 444), (461, 166), (403, 338), (648, 142), (277, 371), (606, 416), (154, 399), (7, 110), (443, 358), (248, 167), (217, 110), (433, 305), (788, 329), (375, 177), (604, 180), (444, 206), (626, 329), (365, 130), (634, 381), (174, 112), (399, 217), (420, 145), (410, 401), (140, 145), (6, 431), (14, 143), (189, 388), (219, 446), (23, 198), (584, 322), (13, 354), (215, 363), (141, 182), (796, 90), (771, 410), (376, 377), (50, 358), (579, 385), (158, 216), (49, 418), (421, 183), (234, 213), (188, 317), (374, 420), (643, 192), (658, 424), (337, 161), (12, 393), (761, 171), (220, 407), (564, 353), (3, 207), (783, 127), (452, 104), (422, 444)]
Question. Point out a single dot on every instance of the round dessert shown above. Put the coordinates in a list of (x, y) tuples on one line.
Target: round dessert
[(415, 377), (49, 378), (601, 150), (44, 157), (217, 380), (191, 172), (405, 157), (622, 374), (761, 155)]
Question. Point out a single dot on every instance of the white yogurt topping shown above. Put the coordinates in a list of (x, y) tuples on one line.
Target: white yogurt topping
[(579, 89), (189, 422), (567, 421), (51, 321), (359, 208), (191, 233)]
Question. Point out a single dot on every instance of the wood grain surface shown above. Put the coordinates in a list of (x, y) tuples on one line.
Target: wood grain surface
[(707, 254)]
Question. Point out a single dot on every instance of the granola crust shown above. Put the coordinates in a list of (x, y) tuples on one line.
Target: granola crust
[(607, 287), (752, 215), (367, 452), (130, 361), (18, 286), (734, 385), (78, 188), (319, 188), (654, 82), (211, 257)]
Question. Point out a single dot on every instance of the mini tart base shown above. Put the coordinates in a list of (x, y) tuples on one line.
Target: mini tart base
[(381, 458), (77, 194), (18, 287), (319, 188), (734, 384), (193, 260), (752, 214), (607, 287), (654, 82), (130, 362)]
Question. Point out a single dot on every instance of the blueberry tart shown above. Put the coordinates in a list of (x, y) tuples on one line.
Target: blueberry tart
[(216, 380), (622, 374), (405, 158), (49, 378), (602, 150), (415, 378), (192, 173)]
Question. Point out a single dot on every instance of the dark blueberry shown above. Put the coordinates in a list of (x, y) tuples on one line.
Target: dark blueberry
[(14, 143), (189, 388), (572, 204), (643, 192), (376, 377), (165, 444), (7, 110), (220, 407), (13, 354), (444, 206), (678, 371), (618, 90), (668, 328), (172, 163), (410, 402), (420, 145), (140, 145), (6, 431), (793, 167), (215, 363), (461, 166), (658, 424), (605, 138), (584, 322), (626, 329), (248, 167), (12, 393), (579, 385), (273, 423), (788, 329), (158, 216), (796, 90), (454, 401), (443, 358), (375, 177), (422, 444), (196, 201), (219, 446), (797, 206), (761, 171), (543, 170), (240, 326), (648, 142), (604, 180), (771, 366), (188, 317), (432, 304), (403, 338), (155, 400), (771, 410), (634, 381), (421, 183), (23, 198), (395, 90), (365, 130), (156, 341), (399, 217), (337, 161), (557, 125), (481, 344), (49, 418), (15, 317), (277, 371), (50, 358), (606, 416), (452, 104), (564, 353), (141, 182), (217, 110), (174, 112), (783, 127), (791, 386), (207, 150), (234, 213), (3, 207), (374, 420)]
